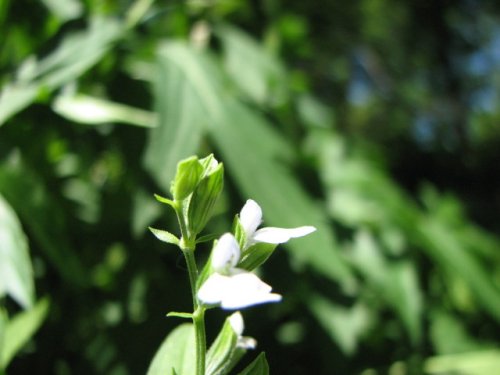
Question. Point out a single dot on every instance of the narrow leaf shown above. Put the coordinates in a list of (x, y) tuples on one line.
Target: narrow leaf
[(165, 236), (21, 328), (16, 274)]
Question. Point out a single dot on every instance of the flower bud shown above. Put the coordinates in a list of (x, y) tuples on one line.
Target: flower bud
[(204, 197), (189, 172)]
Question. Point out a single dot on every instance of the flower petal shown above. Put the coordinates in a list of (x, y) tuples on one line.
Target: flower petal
[(246, 289), (236, 321), (213, 289), (226, 253), (281, 235), (250, 217)]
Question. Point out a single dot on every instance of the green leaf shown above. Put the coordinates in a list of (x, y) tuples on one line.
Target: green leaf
[(221, 351), (64, 10), (264, 79), (161, 199), (256, 255), (21, 328), (470, 363), (75, 55), (181, 120), (258, 367), (176, 354), (34, 204), (93, 111), (180, 315), (396, 282), (344, 325), (165, 236), (447, 251), (206, 238), (16, 274)]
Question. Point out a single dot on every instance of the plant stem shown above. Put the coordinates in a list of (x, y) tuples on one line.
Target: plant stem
[(187, 246), (199, 333)]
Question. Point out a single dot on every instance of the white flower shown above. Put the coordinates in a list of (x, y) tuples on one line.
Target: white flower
[(236, 291), (232, 287), (251, 218)]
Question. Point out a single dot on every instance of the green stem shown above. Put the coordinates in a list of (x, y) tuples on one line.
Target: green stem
[(187, 246), (201, 344)]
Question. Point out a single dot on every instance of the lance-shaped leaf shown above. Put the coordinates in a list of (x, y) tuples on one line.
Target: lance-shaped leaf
[(165, 236)]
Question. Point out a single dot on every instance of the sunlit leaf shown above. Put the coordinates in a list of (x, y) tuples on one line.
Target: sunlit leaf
[(21, 328), (90, 110), (35, 204), (76, 54), (16, 274)]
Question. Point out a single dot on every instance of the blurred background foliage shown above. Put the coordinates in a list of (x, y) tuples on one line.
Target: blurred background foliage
[(377, 121)]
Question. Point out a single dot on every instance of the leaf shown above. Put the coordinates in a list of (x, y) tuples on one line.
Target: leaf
[(75, 55), (396, 282), (176, 353), (64, 10), (21, 328), (344, 325), (256, 255), (447, 251), (256, 72), (165, 236), (34, 204), (16, 274), (93, 111), (258, 367), (180, 119), (180, 315), (221, 351), (470, 363)]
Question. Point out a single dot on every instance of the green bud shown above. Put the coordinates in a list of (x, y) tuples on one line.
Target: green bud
[(204, 197), (189, 172)]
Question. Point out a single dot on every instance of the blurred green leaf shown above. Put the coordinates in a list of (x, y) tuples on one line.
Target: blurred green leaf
[(256, 72), (396, 282), (64, 10), (447, 251), (177, 352), (93, 111), (21, 328), (16, 274), (471, 363), (344, 325), (449, 336), (34, 204), (76, 54), (181, 115)]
